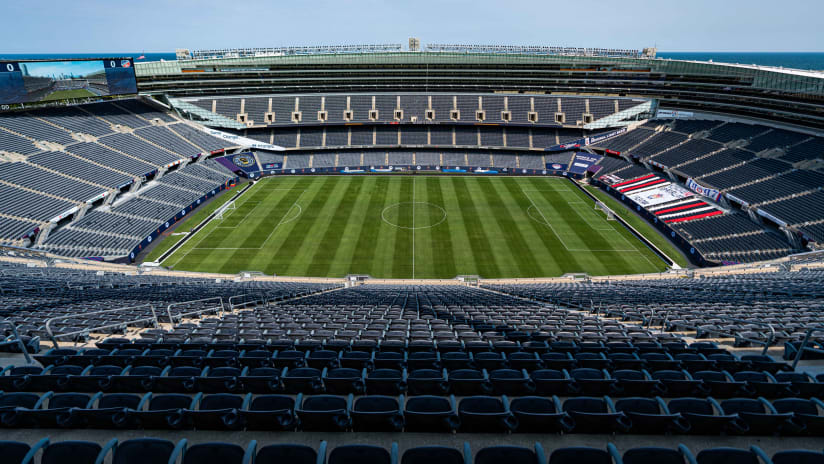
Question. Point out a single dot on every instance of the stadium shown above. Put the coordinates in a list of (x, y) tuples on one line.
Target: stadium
[(434, 252)]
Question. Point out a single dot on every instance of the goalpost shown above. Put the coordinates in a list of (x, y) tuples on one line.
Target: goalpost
[(229, 206), (600, 206)]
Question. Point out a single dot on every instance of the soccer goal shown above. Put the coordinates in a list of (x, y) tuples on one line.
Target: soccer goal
[(230, 206), (599, 206)]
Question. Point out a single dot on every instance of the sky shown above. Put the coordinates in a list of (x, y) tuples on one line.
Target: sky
[(99, 26), (66, 68)]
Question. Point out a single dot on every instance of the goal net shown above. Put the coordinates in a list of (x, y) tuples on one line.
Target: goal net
[(599, 206), (230, 206)]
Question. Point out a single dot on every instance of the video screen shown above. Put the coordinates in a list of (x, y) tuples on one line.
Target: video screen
[(47, 81)]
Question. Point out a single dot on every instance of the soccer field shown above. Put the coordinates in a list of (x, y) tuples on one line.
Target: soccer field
[(421, 227)]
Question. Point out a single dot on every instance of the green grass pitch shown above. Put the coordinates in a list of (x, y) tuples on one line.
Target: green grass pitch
[(68, 94), (422, 227)]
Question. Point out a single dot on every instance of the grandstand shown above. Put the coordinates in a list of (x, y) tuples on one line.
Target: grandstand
[(595, 256)]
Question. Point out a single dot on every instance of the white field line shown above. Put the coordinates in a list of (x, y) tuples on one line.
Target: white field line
[(545, 220)]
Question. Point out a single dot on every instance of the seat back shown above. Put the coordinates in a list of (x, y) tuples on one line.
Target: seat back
[(169, 401), (508, 454), (272, 403), (431, 454), (220, 401), (283, 453), (361, 454), (143, 451), (214, 453), (74, 452)]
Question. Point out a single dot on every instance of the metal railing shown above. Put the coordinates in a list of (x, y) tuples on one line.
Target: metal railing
[(805, 342), (247, 299), (19, 341), (216, 307), (120, 324), (766, 343)]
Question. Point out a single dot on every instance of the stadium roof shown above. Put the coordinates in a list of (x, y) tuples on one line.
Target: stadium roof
[(762, 77)]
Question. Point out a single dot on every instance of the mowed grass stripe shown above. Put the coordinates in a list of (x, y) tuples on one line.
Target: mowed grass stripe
[(327, 247), (381, 265), (344, 252), (437, 241), (402, 255), (322, 218), (565, 260), (491, 210), (367, 241), (487, 230), (516, 246), (281, 253), (462, 254), (479, 242)]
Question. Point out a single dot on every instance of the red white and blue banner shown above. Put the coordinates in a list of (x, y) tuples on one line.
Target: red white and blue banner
[(710, 193), (583, 161), (660, 195)]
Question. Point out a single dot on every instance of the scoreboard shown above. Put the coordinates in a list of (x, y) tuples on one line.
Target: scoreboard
[(23, 82)]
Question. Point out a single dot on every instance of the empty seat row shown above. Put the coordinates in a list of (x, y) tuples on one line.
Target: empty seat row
[(422, 381), (383, 413), (158, 451)]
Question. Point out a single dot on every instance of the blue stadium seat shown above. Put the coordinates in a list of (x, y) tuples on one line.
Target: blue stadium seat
[(111, 411), (356, 359), (511, 455), (583, 455), (220, 379), (798, 457), (135, 379), (146, 450), (431, 414), (270, 412), (651, 416), (324, 413), (386, 382), (51, 411), (466, 382), (218, 453), (553, 382), (681, 455), (219, 411), (762, 383), (706, 416), (322, 359), (363, 454), (720, 384), (302, 380), (760, 416), (802, 384), (16, 378), (344, 380), (636, 383), (427, 382), (164, 411), (595, 415), (678, 383), (536, 414), (511, 382), (261, 380), (177, 379), (592, 381), (377, 413), (291, 453), (69, 452), (486, 414), (806, 412), (15, 451), (731, 456), (439, 454)]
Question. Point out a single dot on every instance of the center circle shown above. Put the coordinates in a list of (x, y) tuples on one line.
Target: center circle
[(413, 215)]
